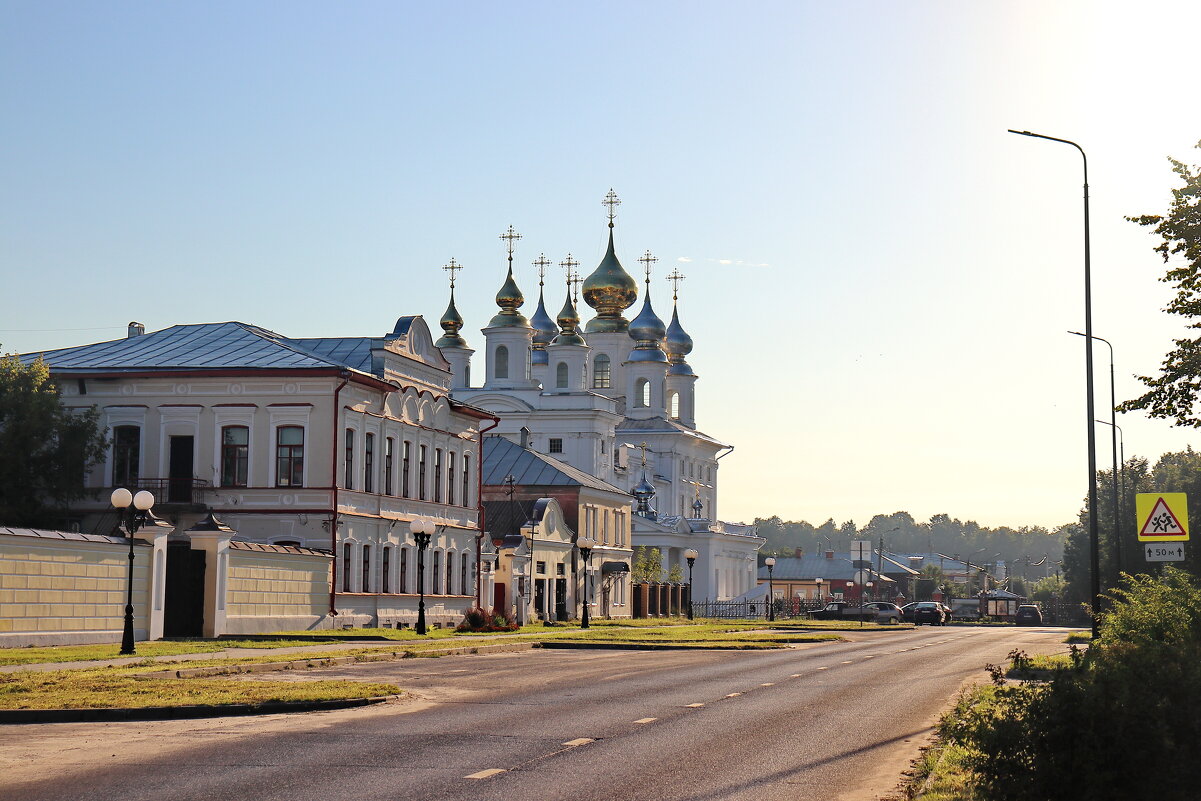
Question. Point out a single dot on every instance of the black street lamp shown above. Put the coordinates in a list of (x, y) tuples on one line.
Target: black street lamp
[(1093, 535), (691, 556), (585, 544), (133, 512), (421, 529), (770, 562)]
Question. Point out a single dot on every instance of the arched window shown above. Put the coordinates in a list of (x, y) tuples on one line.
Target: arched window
[(127, 446), (674, 405), (561, 375), (436, 574), (502, 361), (450, 573), (289, 456), (600, 371), (642, 392)]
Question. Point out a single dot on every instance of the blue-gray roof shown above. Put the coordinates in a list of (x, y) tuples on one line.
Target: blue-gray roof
[(532, 469), (807, 568), (212, 346)]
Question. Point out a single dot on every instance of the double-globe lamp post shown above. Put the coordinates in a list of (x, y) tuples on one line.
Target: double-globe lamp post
[(691, 555), (422, 529), (770, 563), (134, 512), (585, 544)]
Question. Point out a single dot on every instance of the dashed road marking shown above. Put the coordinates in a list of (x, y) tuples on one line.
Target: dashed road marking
[(646, 720), (694, 706), (486, 774), (795, 676), (825, 667), (578, 741), (848, 661), (733, 695), (767, 684)]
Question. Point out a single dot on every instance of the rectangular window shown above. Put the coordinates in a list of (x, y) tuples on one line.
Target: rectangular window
[(437, 475), (348, 473), (466, 479), (235, 455), (366, 568), (404, 470), (127, 446), (289, 456), (404, 570), (368, 462), (541, 567), (450, 478), (556, 445), (346, 567), (437, 574), (388, 445), (560, 569), (464, 588), (384, 566), (421, 473)]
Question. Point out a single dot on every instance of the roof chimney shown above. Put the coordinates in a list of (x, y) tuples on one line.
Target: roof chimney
[(136, 330), (798, 552), (829, 554)]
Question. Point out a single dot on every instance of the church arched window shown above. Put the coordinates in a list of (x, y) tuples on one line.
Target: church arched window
[(502, 361), (642, 392), (561, 375), (600, 371), (673, 404)]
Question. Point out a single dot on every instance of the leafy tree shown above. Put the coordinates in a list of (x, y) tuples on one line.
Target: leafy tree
[(648, 565), (46, 449), (1173, 393), (676, 574)]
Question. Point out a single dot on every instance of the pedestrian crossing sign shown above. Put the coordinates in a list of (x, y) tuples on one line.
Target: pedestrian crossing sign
[(1162, 516)]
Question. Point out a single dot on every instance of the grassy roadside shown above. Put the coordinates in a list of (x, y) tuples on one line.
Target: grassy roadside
[(103, 651)]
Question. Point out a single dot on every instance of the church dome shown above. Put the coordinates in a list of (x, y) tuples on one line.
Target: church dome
[(509, 298), (610, 290), (451, 322), (544, 327), (569, 321), (647, 330), (677, 342)]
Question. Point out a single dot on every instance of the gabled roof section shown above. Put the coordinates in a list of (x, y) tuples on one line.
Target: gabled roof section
[(663, 425), (203, 346), (532, 469), (352, 352)]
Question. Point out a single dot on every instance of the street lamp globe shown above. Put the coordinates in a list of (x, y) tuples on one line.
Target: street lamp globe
[(143, 500), (121, 498)]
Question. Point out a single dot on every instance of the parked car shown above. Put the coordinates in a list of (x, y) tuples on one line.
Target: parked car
[(1028, 615), (928, 612), (873, 611)]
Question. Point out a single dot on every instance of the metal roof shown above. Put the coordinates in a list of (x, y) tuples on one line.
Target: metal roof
[(532, 469), (807, 568)]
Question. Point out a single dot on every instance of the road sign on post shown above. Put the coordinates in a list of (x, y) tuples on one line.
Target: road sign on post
[(861, 550), (1167, 552), (1162, 516)]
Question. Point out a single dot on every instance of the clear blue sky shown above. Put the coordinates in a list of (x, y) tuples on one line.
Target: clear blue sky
[(880, 278)]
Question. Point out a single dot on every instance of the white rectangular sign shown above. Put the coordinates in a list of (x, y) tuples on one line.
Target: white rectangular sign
[(1165, 552)]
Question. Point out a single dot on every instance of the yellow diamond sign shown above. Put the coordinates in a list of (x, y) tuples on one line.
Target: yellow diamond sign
[(1162, 516)]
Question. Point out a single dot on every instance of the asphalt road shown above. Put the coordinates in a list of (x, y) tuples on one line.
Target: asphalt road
[(824, 722)]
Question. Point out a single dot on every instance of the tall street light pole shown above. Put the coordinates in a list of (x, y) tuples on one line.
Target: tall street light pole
[(1119, 479), (1093, 537), (134, 512), (1113, 425), (422, 529)]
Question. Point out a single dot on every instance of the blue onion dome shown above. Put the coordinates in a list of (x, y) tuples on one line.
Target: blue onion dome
[(647, 330), (509, 299), (610, 290), (678, 345), (644, 489), (544, 327), (451, 322), (569, 322)]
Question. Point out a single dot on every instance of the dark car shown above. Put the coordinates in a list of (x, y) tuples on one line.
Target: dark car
[(1028, 615), (928, 612), (885, 612)]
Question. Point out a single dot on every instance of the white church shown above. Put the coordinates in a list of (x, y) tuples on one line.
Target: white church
[(615, 399)]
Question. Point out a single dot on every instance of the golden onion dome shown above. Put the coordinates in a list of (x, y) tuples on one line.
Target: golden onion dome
[(509, 298), (610, 290), (569, 321), (451, 322)]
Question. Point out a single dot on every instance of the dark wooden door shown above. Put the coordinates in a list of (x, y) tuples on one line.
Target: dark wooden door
[(179, 488), (560, 599), (183, 615)]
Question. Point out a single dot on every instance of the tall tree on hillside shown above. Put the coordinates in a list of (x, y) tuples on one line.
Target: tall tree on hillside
[(45, 449), (1172, 394)]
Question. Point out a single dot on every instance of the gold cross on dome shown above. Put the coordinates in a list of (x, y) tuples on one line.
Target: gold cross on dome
[(676, 277), (648, 260), (452, 268), (612, 202), (541, 263), (510, 237), (643, 448), (569, 264)]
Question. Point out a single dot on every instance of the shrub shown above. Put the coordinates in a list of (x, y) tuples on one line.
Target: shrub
[(1120, 723)]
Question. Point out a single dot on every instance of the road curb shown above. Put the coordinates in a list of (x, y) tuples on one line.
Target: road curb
[(333, 661), (112, 714), (631, 646)]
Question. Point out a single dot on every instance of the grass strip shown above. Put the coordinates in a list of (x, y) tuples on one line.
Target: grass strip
[(103, 651), (99, 688)]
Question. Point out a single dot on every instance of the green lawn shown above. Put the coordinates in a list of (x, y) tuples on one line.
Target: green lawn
[(111, 687), (86, 653)]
